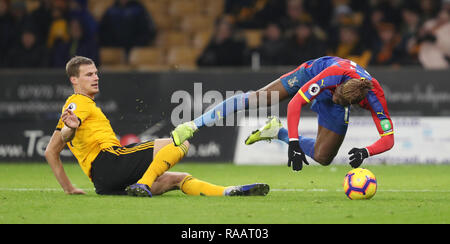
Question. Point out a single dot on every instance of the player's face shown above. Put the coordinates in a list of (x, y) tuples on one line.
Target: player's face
[(87, 81)]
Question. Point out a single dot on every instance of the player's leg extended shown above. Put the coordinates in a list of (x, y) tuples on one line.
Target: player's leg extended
[(236, 103), (195, 187), (166, 155), (241, 102)]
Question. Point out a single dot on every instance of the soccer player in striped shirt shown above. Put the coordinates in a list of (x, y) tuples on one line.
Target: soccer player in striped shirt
[(331, 85)]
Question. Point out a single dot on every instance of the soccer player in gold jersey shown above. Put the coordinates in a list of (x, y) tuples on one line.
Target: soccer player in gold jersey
[(136, 169)]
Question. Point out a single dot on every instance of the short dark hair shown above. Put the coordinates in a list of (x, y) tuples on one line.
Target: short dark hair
[(73, 66)]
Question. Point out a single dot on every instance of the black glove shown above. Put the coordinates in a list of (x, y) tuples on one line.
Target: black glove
[(357, 156), (296, 156)]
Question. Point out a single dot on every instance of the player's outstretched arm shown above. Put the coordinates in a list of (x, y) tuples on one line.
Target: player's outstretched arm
[(52, 155), (296, 157)]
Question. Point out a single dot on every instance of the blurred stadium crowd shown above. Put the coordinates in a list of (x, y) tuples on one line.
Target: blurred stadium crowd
[(187, 34)]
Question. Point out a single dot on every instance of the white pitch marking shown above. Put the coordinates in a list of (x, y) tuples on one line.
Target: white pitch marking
[(279, 190), (381, 190)]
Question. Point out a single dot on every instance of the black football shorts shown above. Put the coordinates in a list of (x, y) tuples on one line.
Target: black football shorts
[(115, 168)]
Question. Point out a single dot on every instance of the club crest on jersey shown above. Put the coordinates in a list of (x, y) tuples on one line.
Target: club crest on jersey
[(292, 81), (314, 89), (72, 107)]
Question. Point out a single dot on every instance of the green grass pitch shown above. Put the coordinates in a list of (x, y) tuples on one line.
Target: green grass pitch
[(29, 193)]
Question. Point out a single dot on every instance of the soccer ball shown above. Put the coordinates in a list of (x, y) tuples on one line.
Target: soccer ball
[(360, 183)]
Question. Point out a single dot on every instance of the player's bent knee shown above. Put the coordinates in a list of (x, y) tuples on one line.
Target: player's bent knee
[(172, 179), (177, 178), (324, 160), (180, 177)]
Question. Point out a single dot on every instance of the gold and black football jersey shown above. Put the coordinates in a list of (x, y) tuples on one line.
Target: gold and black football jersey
[(94, 134)]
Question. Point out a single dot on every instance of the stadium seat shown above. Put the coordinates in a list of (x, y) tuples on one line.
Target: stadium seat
[(112, 56), (162, 21), (192, 23), (178, 8), (155, 6), (145, 56), (182, 57), (169, 39), (253, 38)]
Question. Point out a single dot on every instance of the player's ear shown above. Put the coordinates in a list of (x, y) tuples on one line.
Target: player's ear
[(73, 80)]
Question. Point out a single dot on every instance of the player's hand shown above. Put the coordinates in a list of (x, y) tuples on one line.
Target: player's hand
[(75, 191), (357, 156), (296, 156), (70, 119)]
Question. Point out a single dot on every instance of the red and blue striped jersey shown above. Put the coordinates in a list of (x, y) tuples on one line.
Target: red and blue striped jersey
[(326, 73), (329, 72)]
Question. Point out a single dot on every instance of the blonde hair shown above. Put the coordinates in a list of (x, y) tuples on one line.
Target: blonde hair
[(73, 66), (354, 90)]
